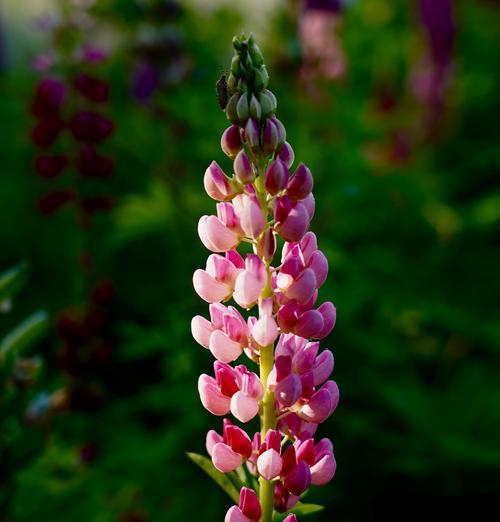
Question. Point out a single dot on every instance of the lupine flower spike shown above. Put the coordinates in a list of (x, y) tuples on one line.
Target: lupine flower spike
[(266, 201)]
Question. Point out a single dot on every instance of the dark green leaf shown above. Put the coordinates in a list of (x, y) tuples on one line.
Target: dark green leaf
[(227, 484), (12, 280)]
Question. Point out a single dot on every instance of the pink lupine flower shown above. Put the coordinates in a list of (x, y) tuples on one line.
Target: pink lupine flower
[(249, 212), (296, 473), (269, 462), (305, 321), (296, 428), (216, 282), (230, 450), (286, 154), (265, 330), (250, 281), (320, 459), (248, 510), (234, 390), (283, 498), (225, 335), (292, 218), (291, 518), (220, 233)]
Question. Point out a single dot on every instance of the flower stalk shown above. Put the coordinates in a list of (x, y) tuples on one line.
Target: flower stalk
[(260, 204)]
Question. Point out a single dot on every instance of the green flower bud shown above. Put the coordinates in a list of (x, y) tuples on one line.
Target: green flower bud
[(242, 109), (261, 78), (236, 66), (274, 102), (254, 108), (231, 113), (256, 55), (265, 104), (232, 84)]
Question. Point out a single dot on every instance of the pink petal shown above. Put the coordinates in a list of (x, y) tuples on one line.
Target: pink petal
[(299, 479), (295, 225), (212, 439), (329, 314), (319, 264), (236, 515), (211, 396), (201, 329), (265, 331), (225, 459), (309, 324), (303, 287), (215, 235), (250, 214), (250, 282), (318, 408), (323, 367), (244, 408), (269, 464), (221, 269), (324, 470), (223, 348), (208, 288), (216, 183), (289, 390), (249, 504)]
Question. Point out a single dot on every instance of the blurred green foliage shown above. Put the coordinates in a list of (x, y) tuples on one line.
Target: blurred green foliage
[(413, 247)]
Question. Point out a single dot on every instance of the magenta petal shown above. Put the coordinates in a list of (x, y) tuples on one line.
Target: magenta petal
[(249, 504), (299, 479), (269, 464), (251, 217), (318, 408), (291, 518), (323, 367), (302, 289), (225, 459), (289, 390), (319, 264), (329, 314), (295, 225), (309, 324)]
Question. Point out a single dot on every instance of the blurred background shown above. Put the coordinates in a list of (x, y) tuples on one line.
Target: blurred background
[(108, 121)]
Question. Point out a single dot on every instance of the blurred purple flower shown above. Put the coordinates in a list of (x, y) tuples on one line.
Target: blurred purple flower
[(145, 81)]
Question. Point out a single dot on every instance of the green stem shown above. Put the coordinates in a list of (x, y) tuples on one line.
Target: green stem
[(268, 422)]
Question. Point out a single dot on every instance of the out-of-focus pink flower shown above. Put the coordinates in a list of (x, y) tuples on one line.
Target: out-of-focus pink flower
[(322, 52), (92, 88), (234, 390), (90, 127)]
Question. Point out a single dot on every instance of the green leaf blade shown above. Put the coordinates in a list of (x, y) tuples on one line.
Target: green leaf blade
[(301, 510), (224, 482)]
